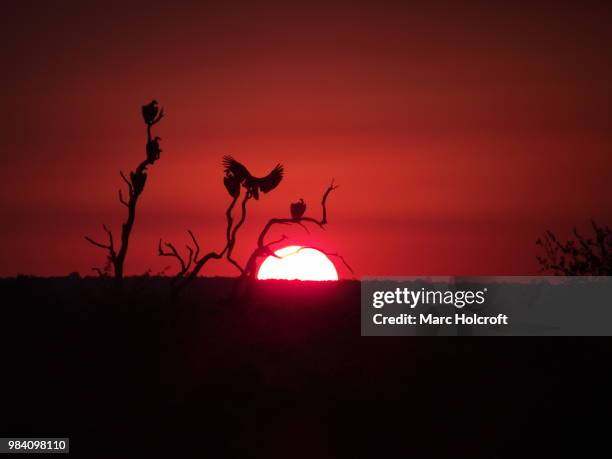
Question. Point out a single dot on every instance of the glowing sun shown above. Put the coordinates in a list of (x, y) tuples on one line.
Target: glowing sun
[(298, 263)]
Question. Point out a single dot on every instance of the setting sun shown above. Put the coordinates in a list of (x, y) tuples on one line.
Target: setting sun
[(298, 263)]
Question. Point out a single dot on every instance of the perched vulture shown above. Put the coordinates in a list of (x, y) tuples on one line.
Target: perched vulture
[(298, 209), (253, 184), (149, 112), (153, 149), (138, 180)]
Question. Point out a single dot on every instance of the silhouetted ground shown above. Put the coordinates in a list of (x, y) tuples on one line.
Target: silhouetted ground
[(285, 374)]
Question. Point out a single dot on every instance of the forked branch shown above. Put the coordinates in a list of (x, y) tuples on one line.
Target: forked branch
[(184, 276), (231, 241), (263, 249), (301, 220), (193, 253)]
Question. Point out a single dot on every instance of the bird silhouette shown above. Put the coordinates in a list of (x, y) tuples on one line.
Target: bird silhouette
[(298, 209), (232, 185), (150, 113), (153, 149), (138, 179), (253, 184)]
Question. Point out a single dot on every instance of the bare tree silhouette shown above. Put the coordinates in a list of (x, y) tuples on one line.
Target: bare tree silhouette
[(264, 249), (237, 175), (170, 251), (135, 184), (236, 178), (584, 256)]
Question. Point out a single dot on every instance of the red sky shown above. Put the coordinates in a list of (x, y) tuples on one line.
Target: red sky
[(457, 133)]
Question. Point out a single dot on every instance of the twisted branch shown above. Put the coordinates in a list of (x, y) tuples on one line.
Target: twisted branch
[(231, 241), (184, 277), (285, 221), (263, 249)]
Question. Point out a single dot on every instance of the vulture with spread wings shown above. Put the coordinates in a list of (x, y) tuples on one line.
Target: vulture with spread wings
[(241, 174)]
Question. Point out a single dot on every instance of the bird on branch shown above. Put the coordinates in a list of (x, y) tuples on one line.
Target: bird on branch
[(298, 209), (153, 149), (151, 113), (253, 184)]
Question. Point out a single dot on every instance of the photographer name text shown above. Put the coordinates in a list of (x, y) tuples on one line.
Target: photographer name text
[(414, 298)]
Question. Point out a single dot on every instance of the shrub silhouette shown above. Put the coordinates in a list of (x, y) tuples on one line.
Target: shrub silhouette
[(584, 256), (115, 258)]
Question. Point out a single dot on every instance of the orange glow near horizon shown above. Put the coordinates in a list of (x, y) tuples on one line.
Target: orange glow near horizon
[(298, 263)]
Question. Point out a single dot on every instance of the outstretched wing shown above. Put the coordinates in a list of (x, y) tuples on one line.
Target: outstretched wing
[(237, 169), (271, 181)]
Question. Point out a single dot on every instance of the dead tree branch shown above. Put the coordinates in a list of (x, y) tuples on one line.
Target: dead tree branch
[(135, 185), (236, 178), (263, 249), (184, 276), (123, 201), (231, 241), (196, 253), (171, 251), (110, 246)]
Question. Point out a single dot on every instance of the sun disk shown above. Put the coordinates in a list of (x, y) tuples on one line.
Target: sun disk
[(298, 263)]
